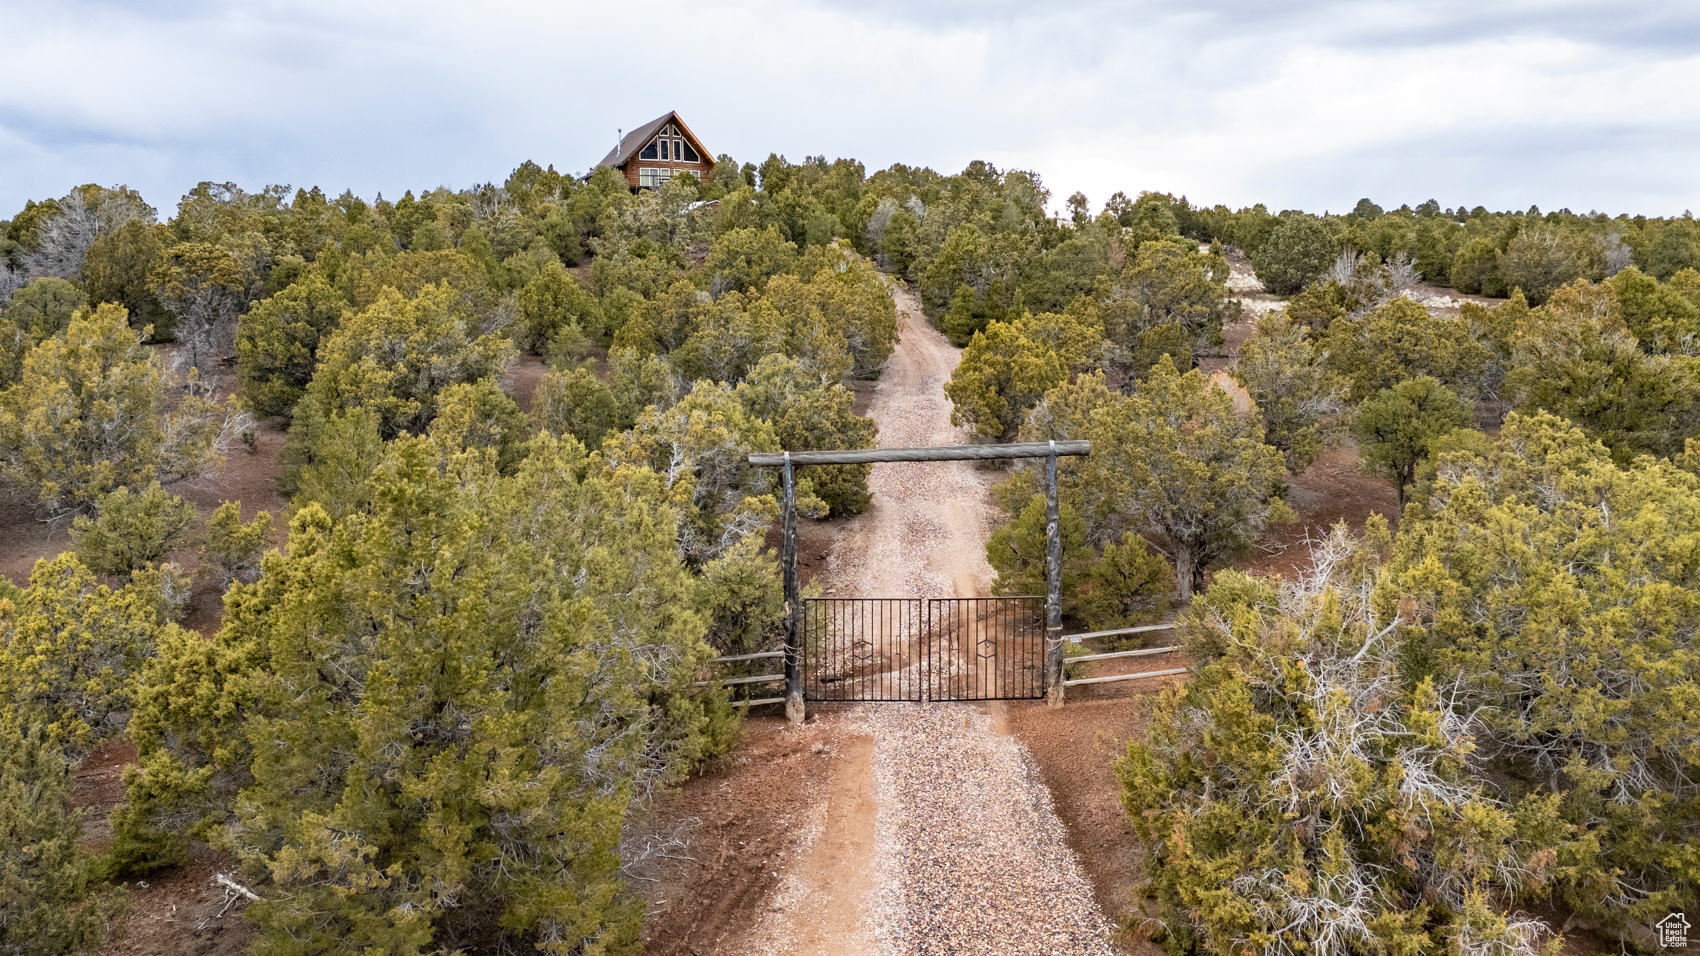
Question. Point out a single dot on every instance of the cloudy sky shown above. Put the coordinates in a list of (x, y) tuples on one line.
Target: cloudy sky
[(1503, 103)]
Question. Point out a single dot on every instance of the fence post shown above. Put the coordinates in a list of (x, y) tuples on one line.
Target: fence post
[(1053, 585), (794, 712)]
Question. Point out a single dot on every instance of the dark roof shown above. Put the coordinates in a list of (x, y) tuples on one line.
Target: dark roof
[(638, 138)]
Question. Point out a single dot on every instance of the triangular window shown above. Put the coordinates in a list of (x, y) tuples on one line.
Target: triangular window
[(670, 144)]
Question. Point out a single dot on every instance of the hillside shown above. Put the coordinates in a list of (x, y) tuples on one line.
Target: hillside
[(367, 570)]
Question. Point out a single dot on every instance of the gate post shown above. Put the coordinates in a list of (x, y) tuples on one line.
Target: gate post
[(1053, 585), (794, 712)]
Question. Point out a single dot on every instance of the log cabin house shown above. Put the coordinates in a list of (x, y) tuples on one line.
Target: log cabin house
[(659, 150)]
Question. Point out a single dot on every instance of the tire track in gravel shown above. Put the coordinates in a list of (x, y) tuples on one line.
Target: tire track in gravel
[(968, 856)]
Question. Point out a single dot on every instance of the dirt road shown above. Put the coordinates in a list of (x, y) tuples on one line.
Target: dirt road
[(939, 836)]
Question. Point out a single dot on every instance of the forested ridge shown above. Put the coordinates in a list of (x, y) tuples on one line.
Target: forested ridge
[(447, 676)]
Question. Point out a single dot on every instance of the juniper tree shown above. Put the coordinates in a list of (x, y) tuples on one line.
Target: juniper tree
[(854, 304), (1576, 358), (480, 417), (1397, 427), (71, 649), (728, 337), (809, 414), (233, 549), (65, 231), (1401, 340), (901, 244), (1661, 317), (744, 259), (1175, 462), (493, 669), (1127, 585), (44, 308), (1300, 796), (573, 401), (52, 900), (118, 268), (278, 340), (15, 343), (1009, 366), (701, 447), (204, 288), (1166, 288), (742, 600), (132, 530), (393, 360), (1297, 396), (90, 413), (1556, 583), (1476, 268), (550, 303), (1296, 252), (1540, 259)]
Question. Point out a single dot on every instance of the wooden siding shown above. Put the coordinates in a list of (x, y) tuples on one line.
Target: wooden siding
[(633, 164)]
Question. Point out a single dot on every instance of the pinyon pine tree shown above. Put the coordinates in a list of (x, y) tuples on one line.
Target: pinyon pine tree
[(1397, 428), (1176, 463), (277, 343)]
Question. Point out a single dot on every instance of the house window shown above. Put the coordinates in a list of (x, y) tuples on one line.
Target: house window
[(653, 178), (669, 144)]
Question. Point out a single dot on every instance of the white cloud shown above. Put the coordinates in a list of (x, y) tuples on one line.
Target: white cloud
[(1308, 105)]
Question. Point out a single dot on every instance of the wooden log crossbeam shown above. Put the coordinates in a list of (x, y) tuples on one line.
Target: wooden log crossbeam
[(868, 456)]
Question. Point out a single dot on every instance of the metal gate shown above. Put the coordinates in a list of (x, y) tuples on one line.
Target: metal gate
[(986, 648), (863, 648), (907, 649)]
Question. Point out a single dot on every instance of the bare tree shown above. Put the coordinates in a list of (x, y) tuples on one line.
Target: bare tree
[(878, 222), (1617, 253), (1344, 271), (1402, 276), (64, 239), (10, 281), (203, 286)]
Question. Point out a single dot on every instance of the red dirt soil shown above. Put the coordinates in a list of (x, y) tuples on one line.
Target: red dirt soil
[(742, 824)]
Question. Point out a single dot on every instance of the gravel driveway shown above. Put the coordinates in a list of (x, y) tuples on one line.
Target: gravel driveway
[(968, 854)]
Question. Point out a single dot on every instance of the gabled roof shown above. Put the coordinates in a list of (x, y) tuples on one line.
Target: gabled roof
[(638, 138)]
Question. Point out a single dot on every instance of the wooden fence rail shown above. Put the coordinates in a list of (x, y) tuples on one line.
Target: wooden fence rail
[(746, 657), (1077, 638), (1100, 657), (734, 681), (1116, 677), (868, 456)]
